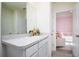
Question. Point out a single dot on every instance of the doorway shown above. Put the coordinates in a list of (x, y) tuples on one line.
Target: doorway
[(64, 29)]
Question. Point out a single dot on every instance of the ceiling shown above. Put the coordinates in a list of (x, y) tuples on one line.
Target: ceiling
[(62, 6), (19, 5)]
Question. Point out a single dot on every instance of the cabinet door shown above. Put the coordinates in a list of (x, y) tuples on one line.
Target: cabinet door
[(30, 51), (36, 54), (43, 51), (43, 42)]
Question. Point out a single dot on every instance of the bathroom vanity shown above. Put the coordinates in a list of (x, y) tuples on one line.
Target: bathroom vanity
[(26, 46)]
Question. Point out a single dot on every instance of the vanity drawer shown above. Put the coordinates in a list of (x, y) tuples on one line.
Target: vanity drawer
[(41, 43), (30, 51)]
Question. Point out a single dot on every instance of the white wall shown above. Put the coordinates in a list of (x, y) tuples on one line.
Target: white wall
[(76, 30), (0, 32), (63, 6), (53, 28), (31, 16), (38, 16), (43, 17)]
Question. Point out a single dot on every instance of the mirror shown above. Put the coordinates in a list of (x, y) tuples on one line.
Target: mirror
[(13, 18)]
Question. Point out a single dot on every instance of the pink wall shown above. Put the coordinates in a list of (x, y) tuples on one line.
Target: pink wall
[(64, 22)]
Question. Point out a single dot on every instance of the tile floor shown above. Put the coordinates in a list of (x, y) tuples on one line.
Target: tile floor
[(62, 52)]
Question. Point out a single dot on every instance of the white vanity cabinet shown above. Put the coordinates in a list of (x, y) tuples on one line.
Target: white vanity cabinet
[(36, 54), (43, 51), (43, 48), (32, 50), (32, 47), (38, 50)]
